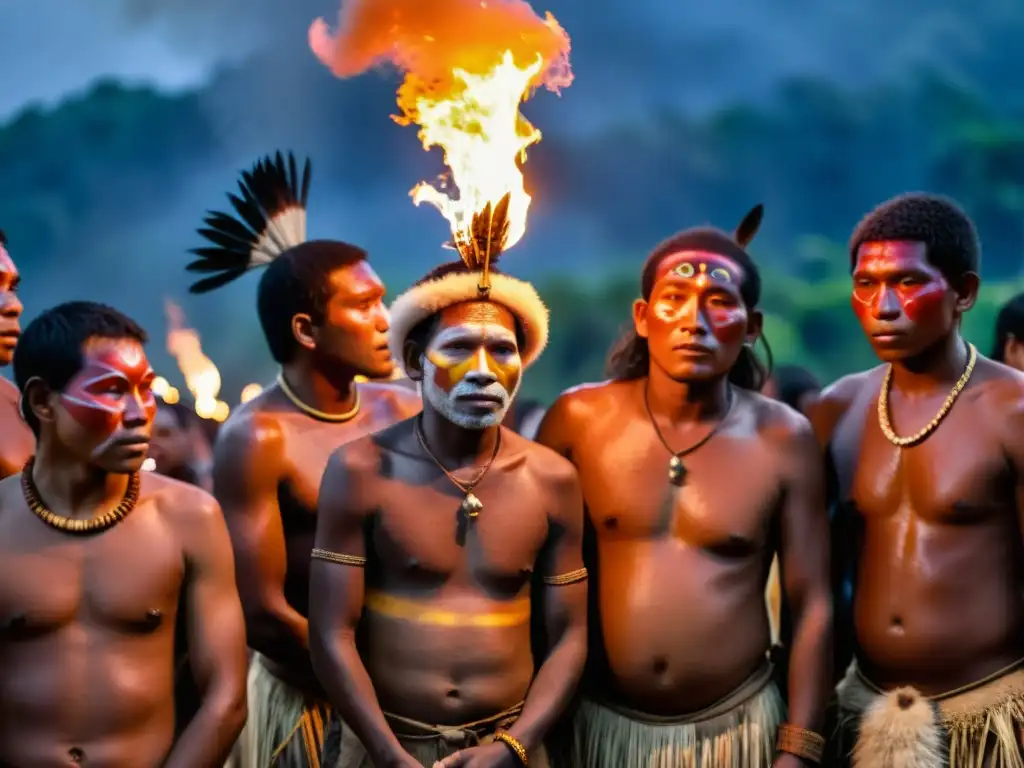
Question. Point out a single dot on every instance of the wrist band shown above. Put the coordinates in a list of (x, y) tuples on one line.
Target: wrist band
[(800, 742), (513, 744)]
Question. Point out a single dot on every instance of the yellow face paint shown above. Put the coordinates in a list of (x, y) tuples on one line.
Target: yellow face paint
[(515, 614)]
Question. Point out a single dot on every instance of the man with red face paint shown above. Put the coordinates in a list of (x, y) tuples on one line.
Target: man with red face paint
[(321, 308), (16, 440), (99, 564), (927, 455), (429, 536), (693, 482)]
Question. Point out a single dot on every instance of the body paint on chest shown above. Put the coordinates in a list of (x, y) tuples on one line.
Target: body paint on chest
[(110, 382)]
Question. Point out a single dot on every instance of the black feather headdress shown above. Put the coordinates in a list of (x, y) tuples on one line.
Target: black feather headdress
[(270, 218), (481, 247)]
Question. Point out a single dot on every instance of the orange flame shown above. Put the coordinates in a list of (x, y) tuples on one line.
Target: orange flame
[(201, 376), (468, 66)]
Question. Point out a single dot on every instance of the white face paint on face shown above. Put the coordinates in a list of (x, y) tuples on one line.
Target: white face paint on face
[(472, 369)]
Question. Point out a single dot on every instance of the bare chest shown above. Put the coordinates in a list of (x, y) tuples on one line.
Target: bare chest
[(958, 475), (726, 499), (127, 579), (422, 535)]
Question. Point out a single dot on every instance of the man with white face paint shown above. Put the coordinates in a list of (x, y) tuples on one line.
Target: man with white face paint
[(429, 536)]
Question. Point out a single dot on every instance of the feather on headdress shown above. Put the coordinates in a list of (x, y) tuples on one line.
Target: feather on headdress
[(475, 279), (270, 218)]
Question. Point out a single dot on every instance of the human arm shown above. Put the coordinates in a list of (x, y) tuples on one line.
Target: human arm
[(247, 468), (336, 592), (216, 637), (558, 425), (826, 413), (17, 443), (804, 570)]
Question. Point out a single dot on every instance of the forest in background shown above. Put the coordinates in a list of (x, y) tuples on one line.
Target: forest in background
[(102, 194)]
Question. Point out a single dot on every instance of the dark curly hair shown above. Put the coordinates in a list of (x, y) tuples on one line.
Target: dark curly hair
[(940, 223), (1009, 322), (630, 355)]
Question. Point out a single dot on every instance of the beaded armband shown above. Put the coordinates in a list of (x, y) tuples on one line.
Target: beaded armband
[(515, 745), (336, 557), (564, 579), (800, 742)]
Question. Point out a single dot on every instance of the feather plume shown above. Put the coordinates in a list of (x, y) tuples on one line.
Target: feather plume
[(269, 218), (748, 227), (483, 245)]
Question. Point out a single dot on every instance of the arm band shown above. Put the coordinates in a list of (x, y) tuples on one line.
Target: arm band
[(336, 557), (800, 742), (564, 579), (515, 745)]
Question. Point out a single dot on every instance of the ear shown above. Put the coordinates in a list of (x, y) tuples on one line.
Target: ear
[(640, 308), (304, 331), (412, 357), (967, 291), (755, 326), (748, 227), (39, 400)]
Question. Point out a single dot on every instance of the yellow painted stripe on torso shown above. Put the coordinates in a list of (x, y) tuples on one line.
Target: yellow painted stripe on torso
[(411, 610)]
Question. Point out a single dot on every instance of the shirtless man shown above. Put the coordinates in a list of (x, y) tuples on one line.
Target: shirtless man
[(693, 482), (94, 560), (320, 305), (428, 536), (928, 455), (16, 440)]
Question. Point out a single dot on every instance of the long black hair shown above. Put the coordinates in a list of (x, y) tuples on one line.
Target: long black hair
[(630, 356)]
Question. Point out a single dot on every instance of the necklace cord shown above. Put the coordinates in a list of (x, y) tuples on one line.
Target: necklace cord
[(700, 443), (317, 414), (461, 485), (74, 525)]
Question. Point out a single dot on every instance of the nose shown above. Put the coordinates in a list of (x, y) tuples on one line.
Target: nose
[(692, 319), (481, 373), (10, 305), (136, 413), (886, 306), (383, 320)]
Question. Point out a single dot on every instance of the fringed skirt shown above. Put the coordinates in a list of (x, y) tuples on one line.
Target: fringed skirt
[(977, 726), (426, 743), (285, 729), (737, 732)]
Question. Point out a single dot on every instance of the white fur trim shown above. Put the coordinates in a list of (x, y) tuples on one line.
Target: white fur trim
[(426, 299), (900, 729)]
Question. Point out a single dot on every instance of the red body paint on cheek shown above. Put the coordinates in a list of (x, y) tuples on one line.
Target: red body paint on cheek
[(97, 397), (92, 413), (923, 302), (728, 324)]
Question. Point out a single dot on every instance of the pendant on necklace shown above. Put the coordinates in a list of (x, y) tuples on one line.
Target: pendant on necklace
[(676, 471), (471, 505)]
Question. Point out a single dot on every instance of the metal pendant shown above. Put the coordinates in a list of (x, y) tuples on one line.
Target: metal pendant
[(471, 505), (676, 471)]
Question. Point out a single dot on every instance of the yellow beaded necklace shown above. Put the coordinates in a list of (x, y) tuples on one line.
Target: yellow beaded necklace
[(931, 426)]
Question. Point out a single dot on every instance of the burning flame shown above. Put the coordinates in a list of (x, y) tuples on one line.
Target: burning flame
[(201, 376), (468, 66), (249, 391)]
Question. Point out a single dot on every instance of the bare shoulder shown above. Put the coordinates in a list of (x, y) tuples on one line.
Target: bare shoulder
[(252, 430), (184, 506), (547, 465), (362, 457), (8, 392), (584, 399), (827, 410), (776, 421), (401, 401), (997, 390)]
